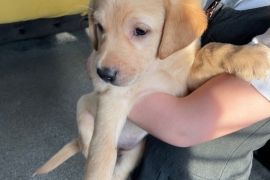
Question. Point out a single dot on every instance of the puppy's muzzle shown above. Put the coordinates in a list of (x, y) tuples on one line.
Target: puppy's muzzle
[(107, 74)]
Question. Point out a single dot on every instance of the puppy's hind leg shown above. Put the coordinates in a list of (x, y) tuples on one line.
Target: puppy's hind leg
[(65, 153), (85, 120), (127, 161)]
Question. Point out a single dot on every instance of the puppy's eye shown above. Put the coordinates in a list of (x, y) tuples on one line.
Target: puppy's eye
[(140, 32), (100, 28)]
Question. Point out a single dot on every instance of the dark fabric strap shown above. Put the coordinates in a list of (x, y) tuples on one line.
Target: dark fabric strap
[(210, 10)]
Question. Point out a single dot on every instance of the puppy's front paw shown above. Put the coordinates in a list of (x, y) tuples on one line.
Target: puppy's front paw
[(254, 64)]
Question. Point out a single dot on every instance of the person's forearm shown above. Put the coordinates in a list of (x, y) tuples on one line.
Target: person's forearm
[(221, 106)]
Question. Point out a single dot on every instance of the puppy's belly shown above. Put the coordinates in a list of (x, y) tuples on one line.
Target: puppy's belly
[(130, 136)]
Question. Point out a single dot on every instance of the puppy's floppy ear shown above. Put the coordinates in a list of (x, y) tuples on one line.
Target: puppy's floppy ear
[(92, 25), (185, 21)]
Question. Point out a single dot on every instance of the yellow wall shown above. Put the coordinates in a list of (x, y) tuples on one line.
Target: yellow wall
[(23, 10)]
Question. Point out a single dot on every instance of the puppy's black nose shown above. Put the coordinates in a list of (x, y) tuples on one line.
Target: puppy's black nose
[(107, 74)]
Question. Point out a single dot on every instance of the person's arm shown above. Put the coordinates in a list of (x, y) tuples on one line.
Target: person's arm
[(221, 106)]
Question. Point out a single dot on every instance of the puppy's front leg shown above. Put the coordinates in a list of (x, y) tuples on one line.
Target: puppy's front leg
[(246, 62), (111, 116)]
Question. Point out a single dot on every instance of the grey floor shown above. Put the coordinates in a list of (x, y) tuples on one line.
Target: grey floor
[(40, 83)]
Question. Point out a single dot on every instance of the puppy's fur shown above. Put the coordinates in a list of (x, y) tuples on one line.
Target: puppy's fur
[(150, 46)]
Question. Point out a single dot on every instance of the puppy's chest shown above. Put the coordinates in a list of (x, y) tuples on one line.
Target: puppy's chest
[(130, 136)]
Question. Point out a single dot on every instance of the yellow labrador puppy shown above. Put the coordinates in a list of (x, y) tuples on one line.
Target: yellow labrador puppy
[(141, 47)]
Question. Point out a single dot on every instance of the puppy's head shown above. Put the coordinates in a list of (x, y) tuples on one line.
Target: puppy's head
[(128, 36)]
